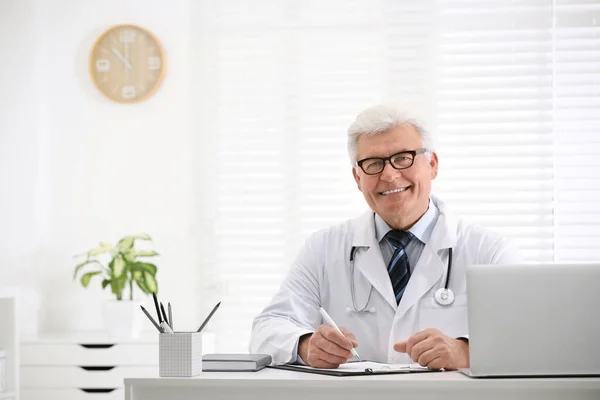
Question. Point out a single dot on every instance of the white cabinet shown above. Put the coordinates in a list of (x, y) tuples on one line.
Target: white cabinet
[(83, 367), (9, 360)]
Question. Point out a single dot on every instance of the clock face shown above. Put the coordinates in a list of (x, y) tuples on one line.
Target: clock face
[(127, 63)]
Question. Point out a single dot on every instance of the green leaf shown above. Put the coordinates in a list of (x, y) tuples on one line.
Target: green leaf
[(117, 285), (104, 248), (118, 266), (139, 266), (126, 243), (142, 285), (85, 279), (146, 253), (105, 283), (150, 282), (83, 264), (132, 255), (129, 255)]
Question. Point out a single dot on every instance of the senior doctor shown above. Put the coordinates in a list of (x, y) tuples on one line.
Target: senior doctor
[(377, 275)]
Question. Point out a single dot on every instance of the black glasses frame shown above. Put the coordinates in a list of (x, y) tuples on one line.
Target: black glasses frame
[(413, 154)]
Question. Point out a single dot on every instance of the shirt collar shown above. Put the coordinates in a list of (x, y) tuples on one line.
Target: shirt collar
[(422, 229)]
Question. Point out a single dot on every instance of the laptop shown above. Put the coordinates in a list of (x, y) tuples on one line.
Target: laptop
[(534, 320)]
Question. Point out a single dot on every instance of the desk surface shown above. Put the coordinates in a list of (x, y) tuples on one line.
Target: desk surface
[(272, 384)]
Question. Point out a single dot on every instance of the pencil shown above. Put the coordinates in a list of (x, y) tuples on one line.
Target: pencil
[(157, 309), (209, 317), (164, 314), (151, 319)]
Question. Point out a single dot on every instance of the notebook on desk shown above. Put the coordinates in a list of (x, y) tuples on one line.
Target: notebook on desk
[(357, 368), (235, 362)]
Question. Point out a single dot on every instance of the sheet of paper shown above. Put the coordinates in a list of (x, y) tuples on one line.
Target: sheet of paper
[(374, 366)]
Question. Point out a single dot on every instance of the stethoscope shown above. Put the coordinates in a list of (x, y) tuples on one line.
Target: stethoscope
[(443, 296)]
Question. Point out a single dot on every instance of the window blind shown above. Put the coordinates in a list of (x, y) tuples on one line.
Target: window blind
[(576, 99), (510, 87), (494, 97)]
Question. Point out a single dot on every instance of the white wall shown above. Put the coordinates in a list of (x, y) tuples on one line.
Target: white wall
[(76, 168)]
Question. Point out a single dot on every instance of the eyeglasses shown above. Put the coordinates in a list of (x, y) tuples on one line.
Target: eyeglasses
[(402, 160)]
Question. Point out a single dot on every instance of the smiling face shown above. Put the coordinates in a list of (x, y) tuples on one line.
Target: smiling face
[(400, 197)]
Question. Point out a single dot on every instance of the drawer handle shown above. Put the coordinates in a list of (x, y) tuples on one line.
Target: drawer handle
[(97, 346), (96, 390), (96, 367)]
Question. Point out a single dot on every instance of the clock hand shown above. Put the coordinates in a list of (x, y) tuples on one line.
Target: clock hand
[(127, 54), (120, 57)]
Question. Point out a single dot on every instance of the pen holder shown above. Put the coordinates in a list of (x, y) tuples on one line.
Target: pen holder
[(180, 354)]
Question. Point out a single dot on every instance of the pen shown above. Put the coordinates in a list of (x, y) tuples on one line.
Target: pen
[(209, 317), (170, 317), (330, 322), (164, 314), (156, 305), (166, 327), (151, 319)]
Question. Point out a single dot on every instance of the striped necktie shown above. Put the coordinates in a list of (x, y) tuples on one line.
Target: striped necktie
[(398, 267)]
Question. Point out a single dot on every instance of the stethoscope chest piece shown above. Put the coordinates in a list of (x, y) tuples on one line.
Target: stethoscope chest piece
[(444, 297)]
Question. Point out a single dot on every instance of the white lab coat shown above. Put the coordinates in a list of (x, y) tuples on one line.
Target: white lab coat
[(321, 276)]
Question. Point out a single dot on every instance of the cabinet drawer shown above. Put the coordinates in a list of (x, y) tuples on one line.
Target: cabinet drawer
[(69, 394), (75, 354), (37, 377)]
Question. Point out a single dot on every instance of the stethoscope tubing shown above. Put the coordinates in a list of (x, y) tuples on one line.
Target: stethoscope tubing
[(449, 268), (446, 288)]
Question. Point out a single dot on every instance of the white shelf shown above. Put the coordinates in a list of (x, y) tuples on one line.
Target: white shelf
[(87, 338), (9, 344)]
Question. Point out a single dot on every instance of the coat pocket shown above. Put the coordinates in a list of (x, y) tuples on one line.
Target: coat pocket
[(451, 320)]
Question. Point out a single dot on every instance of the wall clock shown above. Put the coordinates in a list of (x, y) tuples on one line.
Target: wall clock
[(127, 63)]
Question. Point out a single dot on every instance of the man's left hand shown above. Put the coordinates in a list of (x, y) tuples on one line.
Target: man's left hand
[(434, 350)]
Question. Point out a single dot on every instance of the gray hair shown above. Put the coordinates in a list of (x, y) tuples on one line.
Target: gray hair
[(381, 118)]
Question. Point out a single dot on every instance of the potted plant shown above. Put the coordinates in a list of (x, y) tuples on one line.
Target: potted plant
[(120, 266)]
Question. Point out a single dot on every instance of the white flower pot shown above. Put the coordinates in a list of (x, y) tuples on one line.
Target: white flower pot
[(122, 318)]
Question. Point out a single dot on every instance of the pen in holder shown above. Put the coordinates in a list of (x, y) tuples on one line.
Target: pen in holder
[(180, 354)]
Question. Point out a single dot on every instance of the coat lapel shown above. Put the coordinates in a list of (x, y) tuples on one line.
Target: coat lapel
[(427, 272), (369, 261), (430, 267)]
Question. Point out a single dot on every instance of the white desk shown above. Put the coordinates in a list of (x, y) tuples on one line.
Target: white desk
[(270, 384)]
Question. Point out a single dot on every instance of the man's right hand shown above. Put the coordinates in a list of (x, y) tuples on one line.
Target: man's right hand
[(326, 347)]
